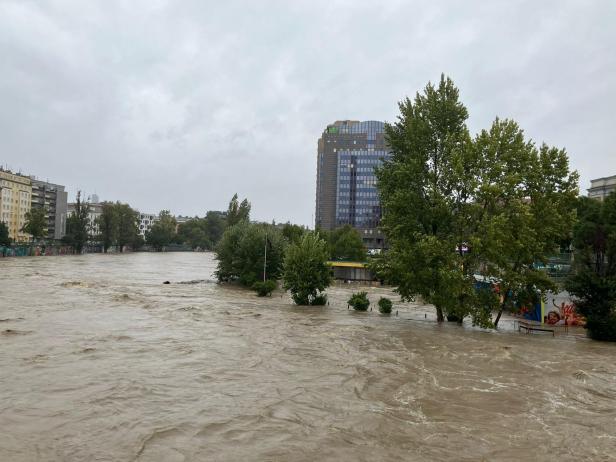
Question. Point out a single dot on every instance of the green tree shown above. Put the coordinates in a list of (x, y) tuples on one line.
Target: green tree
[(36, 223), (215, 224), (241, 253), (359, 301), (127, 225), (526, 198), (293, 233), (108, 225), (453, 207), (77, 225), (162, 232), (345, 243), (593, 280), (237, 212), (138, 242), (194, 233), (306, 273), (4, 234), (419, 188)]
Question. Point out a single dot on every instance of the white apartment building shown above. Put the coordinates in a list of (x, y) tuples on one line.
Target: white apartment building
[(146, 220)]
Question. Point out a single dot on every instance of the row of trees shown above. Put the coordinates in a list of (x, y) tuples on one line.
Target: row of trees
[(256, 255), (343, 243), (198, 233), (455, 205), (118, 225)]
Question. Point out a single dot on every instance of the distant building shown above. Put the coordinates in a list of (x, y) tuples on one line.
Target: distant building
[(53, 198), (602, 187), (15, 202), (146, 220), (96, 210), (348, 151)]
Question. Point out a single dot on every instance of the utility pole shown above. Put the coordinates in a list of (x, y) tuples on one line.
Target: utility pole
[(265, 259)]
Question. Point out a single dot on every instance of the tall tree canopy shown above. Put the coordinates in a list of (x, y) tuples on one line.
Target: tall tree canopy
[(237, 212), (241, 253), (78, 225), (593, 280), (454, 206), (162, 232), (204, 232), (108, 225), (4, 234), (127, 225), (306, 272), (36, 223), (292, 233), (345, 243)]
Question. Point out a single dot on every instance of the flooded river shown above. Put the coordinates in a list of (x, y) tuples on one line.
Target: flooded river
[(101, 361)]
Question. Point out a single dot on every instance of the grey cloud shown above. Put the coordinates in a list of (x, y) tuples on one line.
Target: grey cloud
[(180, 104)]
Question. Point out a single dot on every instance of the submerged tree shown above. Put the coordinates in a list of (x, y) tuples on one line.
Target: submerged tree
[(248, 253), (454, 207), (593, 281), (306, 273), (424, 188), (527, 207)]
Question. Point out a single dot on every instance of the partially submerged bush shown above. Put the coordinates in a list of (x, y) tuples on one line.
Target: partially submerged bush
[(385, 305), (359, 301), (320, 299), (264, 288), (306, 273)]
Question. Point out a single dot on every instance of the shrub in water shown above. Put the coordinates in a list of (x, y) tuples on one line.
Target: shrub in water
[(264, 288), (359, 301), (320, 299), (385, 305)]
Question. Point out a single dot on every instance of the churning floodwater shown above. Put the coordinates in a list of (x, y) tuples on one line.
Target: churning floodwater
[(99, 361)]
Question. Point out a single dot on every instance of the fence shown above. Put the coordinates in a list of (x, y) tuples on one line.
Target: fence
[(31, 250)]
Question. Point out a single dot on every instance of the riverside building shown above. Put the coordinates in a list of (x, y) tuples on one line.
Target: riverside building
[(15, 197), (346, 193), (146, 220), (53, 198), (602, 187)]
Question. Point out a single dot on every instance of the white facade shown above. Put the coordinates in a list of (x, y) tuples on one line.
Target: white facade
[(602, 187), (96, 210), (146, 220)]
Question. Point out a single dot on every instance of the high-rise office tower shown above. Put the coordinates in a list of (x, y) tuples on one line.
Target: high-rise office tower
[(348, 152)]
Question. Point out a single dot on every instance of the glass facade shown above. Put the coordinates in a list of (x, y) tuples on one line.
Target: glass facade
[(357, 200)]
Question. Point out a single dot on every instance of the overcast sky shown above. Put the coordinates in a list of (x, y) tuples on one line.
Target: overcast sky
[(179, 104)]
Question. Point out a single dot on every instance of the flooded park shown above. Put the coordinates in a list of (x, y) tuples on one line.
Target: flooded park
[(102, 361)]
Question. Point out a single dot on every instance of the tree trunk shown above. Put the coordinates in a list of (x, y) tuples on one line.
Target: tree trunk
[(498, 316), (439, 314), (500, 311)]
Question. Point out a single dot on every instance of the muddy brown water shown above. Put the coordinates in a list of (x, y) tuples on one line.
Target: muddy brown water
[(101, 361)]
